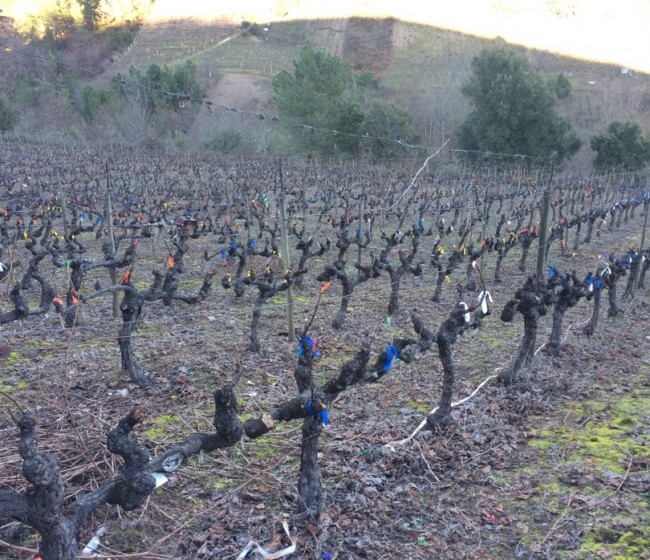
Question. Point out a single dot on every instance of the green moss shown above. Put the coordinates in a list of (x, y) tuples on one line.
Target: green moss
[(597, 438), (419, 406), (262, 447), (10, 385), (221, 483), (608, 542), (12, 360), (605, 438), (161, 426)]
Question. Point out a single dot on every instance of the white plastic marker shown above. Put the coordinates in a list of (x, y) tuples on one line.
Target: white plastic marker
[(253, 545), (93, 543), (484, 297)]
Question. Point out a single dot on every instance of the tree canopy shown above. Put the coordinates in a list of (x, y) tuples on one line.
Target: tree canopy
[(9, 117), (513, 109), (160, 87), (389, 129), (320, 96), (623, 145)]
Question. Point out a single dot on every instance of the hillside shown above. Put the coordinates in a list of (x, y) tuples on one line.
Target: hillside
[(421, 55), (421, 66)]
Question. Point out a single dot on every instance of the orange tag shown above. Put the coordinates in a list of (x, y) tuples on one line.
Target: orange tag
[(171, 262), (325, 287)]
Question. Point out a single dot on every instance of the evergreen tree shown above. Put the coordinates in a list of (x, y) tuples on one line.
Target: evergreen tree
[(9, 117), (389, 129), (317, 99), (514, 109), (623, 145)]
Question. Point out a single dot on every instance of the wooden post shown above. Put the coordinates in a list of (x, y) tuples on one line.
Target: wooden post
[(360, 224), (541, 249), (637, 272), (64, 210), (111, 244), (543, 226), (285, 255)]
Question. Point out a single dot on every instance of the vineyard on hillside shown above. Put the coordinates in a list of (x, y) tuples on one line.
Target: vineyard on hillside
[(434, 396)]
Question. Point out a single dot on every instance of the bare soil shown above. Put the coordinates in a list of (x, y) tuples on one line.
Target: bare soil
[(555, 467)]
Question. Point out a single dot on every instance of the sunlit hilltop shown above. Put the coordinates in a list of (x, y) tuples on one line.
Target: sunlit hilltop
[(596, 30)]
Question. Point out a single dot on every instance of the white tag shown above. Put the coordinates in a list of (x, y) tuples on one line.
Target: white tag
[(160, 478)]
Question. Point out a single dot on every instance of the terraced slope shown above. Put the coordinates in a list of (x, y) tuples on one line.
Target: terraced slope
[(167, 42)]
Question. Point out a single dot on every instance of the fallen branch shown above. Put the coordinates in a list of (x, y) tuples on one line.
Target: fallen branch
[(417, 430)]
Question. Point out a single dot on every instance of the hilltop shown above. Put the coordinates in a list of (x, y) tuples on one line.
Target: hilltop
[(421, 56)]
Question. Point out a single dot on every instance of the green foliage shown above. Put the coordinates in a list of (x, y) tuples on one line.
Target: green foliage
[(121, 37), (561, 86), (59, 23), (318, 94), (252, 28), (227, 141), (91, 13), (383, 121), (513, 110), (9, 117), (170, 88), (27, 90), (91, 100), (623, 146), (367, 81)]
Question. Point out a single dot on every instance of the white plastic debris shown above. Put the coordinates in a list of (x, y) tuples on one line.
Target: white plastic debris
[(484, 298), (253, 545), (466, 316), (94, 543), (160, 479), (171, 463)]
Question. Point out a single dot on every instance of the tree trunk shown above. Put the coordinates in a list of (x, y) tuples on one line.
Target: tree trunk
[(441, 418), (525, 248), (576, 245), (339, 319), (553, 346), (614, 310), (310, 483), (254, 345), (509, 376), (590, 327), (438, 291), (497, 269), (131, 308)]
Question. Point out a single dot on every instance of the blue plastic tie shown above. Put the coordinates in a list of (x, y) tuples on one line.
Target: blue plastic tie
[(599, 284), (233, 246), (551, 272), (325, 419), (223, 254), (100, 219), (391, 354), (310, 341), (253, 244)]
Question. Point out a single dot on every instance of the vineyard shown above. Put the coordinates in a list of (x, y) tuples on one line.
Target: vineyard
[(207, 358)]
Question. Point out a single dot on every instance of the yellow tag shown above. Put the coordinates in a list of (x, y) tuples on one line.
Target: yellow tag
[(447, 278), (25, 236)]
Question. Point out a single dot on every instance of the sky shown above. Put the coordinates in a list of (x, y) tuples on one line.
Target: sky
[(610, 31)]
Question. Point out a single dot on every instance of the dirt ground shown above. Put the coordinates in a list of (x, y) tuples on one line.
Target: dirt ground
[(556, 467)]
